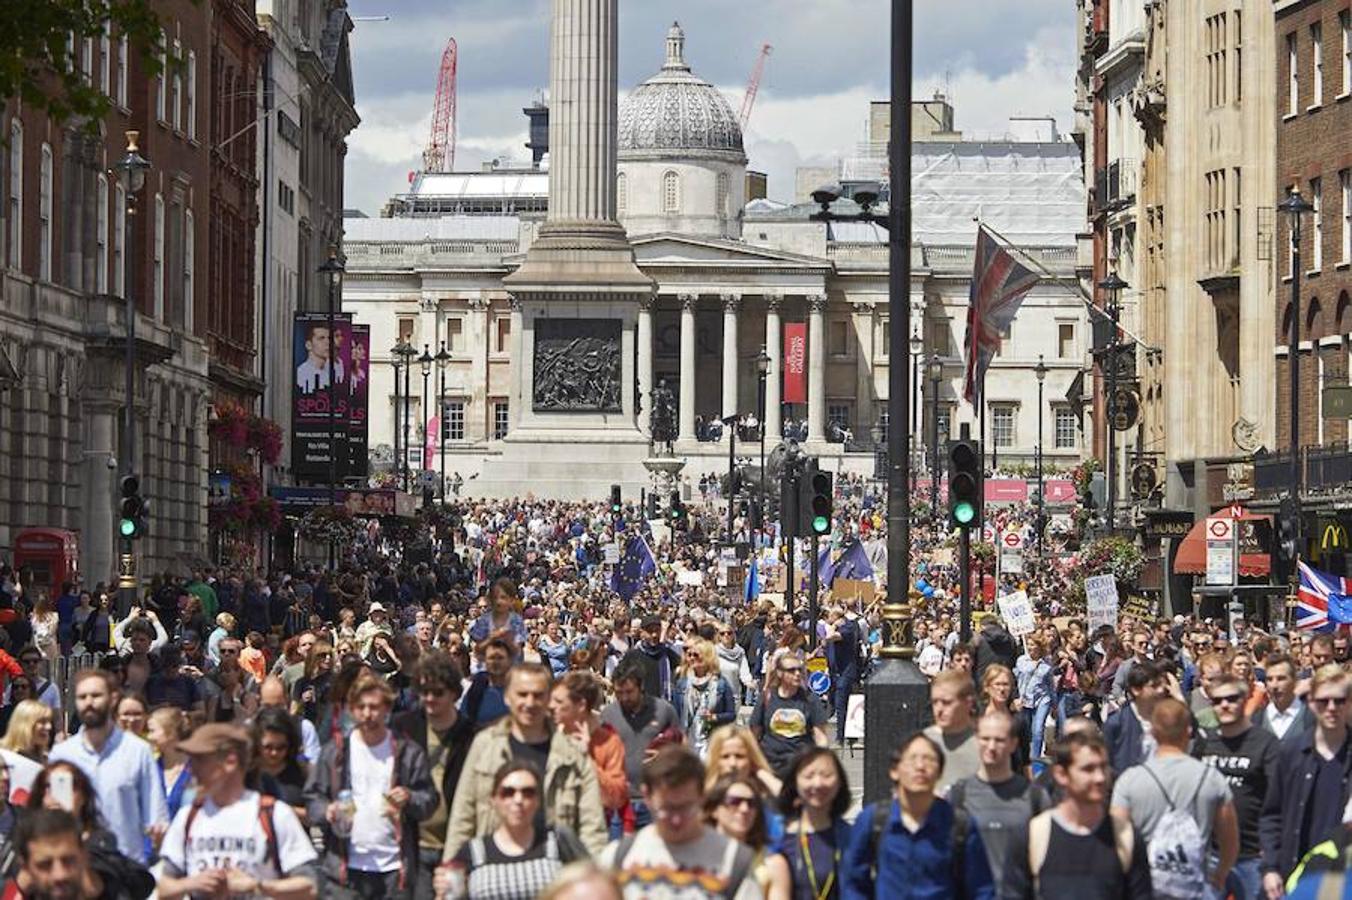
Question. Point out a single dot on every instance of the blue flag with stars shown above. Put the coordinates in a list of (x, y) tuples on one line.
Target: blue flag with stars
[(634, 567)]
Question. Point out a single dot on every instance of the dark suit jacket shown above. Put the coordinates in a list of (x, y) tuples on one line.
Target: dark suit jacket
[(1283, 813), (1122, 733), (412, 726), (1303, 725)]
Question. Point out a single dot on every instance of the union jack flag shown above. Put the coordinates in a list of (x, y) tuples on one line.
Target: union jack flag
[(1323, 600), (998, 287)]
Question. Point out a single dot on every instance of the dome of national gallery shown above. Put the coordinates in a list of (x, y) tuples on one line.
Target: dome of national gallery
[(676, 110)]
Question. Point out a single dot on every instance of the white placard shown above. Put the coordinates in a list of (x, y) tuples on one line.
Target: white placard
[(612, 554), (854, 717), (1017, 613), (690, 578), (1101, 601), (1220, 562)]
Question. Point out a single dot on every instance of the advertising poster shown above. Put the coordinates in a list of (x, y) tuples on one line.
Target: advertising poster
[(795, 362), (359, 405), (318, 412)]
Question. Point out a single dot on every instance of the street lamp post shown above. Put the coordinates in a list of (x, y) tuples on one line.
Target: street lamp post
[(1114, 286), (935, 371), (917, 348), (1295, 208), (442, 359), (132, 170), (1040, 372), (426, 361), (409, 355), (397, 363), (332, 270), (762, 372), (730, 428)]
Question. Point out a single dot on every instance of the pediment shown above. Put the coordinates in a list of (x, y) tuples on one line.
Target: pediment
[(677, 248)]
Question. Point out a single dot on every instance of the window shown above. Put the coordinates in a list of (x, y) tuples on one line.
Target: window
[(1316, 225), (721, 197), (192, 95), (455, 335), (1239, 55), (105, 61), (15, 193), (945, 421), (1236, 213), (1317, 53), (45, 215), (119, 239), (164, 73), (1002, 425), (621, 192), (1216, 46), (1065, 340), (884, 337), (503, 339), (1292, 75), (189, 260), (671, 192), (157, 266), (120, 83), (286, 198), (838, 338), (838, 416), (87, 59), (501, 419), (1067, 429), (1215, 215), (884, 424), (176, 91), (940, 337), (405, 330), (453, 420), (101, 237), (1345, 189), (1345, 26)]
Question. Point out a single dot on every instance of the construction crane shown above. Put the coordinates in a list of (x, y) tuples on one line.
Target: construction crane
[(753, 85), (440, 153)]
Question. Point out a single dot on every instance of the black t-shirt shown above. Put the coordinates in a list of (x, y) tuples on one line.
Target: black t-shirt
[(1324, 812), (1083, 866), (786, 725), (1249, 763)]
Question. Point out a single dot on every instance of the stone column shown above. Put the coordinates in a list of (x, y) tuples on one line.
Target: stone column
[(583, 84), (773, 377), (645, 362), (478, 336), (731, 306), (816, 367), (687, 400), (517, 399)]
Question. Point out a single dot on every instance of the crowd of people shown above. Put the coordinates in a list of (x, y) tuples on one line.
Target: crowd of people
[(509, 720)]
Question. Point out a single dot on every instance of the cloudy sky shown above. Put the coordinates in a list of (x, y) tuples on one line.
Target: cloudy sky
[(995, 58)]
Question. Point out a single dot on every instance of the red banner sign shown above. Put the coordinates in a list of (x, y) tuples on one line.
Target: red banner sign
[(795, 362)]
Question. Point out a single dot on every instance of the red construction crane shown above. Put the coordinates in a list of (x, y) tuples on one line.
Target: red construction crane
[(753, 86), (440, 153)]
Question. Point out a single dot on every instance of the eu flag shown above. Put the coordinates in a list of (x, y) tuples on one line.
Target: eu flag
[(853, 564), (634, 567)]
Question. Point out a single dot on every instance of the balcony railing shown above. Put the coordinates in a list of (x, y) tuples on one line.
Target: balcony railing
[(1323, 468)]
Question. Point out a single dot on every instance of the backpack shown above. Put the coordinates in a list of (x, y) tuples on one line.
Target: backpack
[(962, 824), (265, 804), (742, 861), (1040, 836), (1177, 849)]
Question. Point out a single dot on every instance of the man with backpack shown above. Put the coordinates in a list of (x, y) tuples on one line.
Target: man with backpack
[(999, 800), (1076, 849), (214, 846), (1179, 805)]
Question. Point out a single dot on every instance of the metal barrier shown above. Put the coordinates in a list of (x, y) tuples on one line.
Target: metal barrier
[(61, 669)]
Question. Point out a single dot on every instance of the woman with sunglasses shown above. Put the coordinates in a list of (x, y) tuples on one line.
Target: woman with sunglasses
[(815, 798), (735, 807), (310, 693), (277, 764), (517, 861)]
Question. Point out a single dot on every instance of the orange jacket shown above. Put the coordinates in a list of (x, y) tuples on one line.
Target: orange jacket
[(607, 754)]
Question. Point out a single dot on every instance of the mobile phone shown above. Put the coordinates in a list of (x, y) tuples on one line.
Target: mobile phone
[(61, 785)]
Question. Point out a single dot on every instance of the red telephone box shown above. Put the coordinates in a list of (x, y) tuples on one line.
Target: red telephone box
[(51, 554)]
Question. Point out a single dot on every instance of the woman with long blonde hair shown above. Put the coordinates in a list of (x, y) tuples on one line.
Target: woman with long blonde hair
[(702, 697), (30, 730)]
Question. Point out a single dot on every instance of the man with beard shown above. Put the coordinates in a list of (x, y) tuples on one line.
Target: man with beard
[(655, 658), (55, 864), (120, 766)]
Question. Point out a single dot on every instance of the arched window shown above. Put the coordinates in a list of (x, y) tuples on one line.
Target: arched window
[(621, 192), (722, 195), (671, 192), (1314, 323), (45, 205), (1344, 306)]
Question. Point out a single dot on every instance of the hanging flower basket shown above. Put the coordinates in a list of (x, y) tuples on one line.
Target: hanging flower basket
[(330, 523), (236, 427)]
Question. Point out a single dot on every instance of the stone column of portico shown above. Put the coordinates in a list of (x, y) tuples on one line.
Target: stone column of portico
[(687, 402), (773, 378), (731, 306), (816, 367), (516, 399), (645, 362)]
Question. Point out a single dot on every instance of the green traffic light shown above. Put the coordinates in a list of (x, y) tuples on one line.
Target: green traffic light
[(127, 527), (821, 524), (964, 513)]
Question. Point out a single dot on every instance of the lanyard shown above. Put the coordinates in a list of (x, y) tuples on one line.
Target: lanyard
[(819, 893)]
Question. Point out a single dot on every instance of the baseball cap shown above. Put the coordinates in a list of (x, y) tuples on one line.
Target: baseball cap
[(214, 738), (375, 608)]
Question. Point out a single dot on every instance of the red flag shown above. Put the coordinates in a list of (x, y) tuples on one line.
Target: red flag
[(998, 287), (795, 362)]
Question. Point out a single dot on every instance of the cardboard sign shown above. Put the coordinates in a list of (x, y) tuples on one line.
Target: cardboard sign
[(1017, 613), (1101, 600), (612, 554), (850, 589)]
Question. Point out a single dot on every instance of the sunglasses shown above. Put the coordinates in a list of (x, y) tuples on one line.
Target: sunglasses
[(525, 793), (1328, 701), (732, 802), (790, 670), (1227, 699)]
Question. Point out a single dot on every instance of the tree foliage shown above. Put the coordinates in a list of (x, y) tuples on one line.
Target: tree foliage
[(41, 47)]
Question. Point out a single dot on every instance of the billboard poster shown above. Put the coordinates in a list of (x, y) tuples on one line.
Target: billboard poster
[(795, 362), (359, 406), (316, 411)]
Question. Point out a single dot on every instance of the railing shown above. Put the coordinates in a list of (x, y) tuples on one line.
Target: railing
[(63, 668), (1322, 468)]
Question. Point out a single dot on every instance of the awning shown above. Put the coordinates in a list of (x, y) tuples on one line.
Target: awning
[(1191, 557)]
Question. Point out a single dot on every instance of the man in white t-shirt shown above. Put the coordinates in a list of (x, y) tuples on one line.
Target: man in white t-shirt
[(231, 839), (660, 859)]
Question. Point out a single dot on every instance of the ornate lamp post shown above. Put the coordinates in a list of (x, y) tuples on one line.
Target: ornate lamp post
[(332, 270), (409, 356), (1114, 286), (1295, 208), (397, 363), (442, 358), (935, 370), (762, 372), (917, 349), (426, 361), (1040, 372)]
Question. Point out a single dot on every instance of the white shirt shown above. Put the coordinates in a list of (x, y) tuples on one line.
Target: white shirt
[(1280, 722), (311, 376), (231, 837), (375, 837)]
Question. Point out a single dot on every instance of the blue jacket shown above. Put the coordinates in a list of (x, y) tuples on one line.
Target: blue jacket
[(913, 866), (725, 707), (1122, 733)]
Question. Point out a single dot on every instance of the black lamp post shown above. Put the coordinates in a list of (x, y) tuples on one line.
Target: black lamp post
[(762, 372), (332, 270), (917, 348), (1114, 286), (1295, 208), (1040, 372), (132, 170), (442, 359), (935, 371), (397, 363), (409, 355), (426, 361)]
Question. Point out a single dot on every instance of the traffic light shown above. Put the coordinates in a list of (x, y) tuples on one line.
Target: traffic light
[(1288, 535), (132, 522), (653, 511), (616, 500), (815, 501), (676, 512), (964, 483)]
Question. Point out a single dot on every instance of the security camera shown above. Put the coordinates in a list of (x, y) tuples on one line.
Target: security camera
[(112, 463)]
